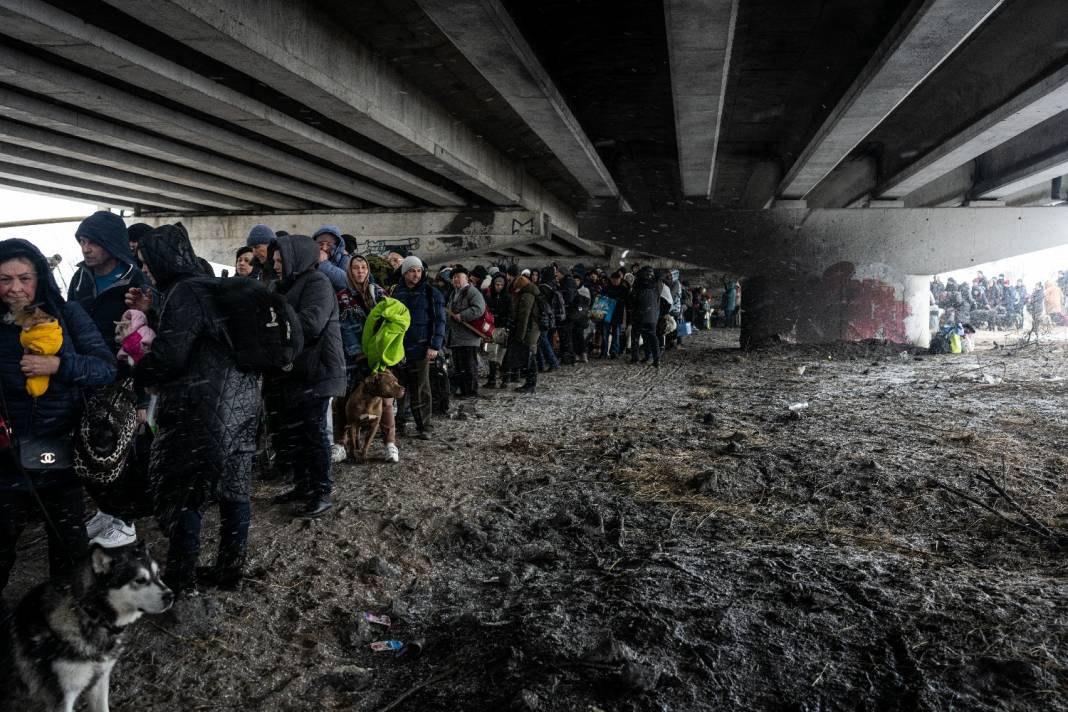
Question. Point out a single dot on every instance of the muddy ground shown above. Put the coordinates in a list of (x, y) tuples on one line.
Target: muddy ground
[(633, 539)]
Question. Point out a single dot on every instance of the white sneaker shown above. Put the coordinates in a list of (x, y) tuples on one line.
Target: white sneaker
[(97, 524), (392, 453), (338, 453), (117, 533)]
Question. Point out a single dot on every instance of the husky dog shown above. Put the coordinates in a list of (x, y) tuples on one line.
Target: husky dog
[(65, 636)]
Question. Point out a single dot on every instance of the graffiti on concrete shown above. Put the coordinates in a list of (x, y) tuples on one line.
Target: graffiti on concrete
[(403, 245)]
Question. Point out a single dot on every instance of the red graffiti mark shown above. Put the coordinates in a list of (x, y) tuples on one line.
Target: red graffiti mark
[(865, 308)]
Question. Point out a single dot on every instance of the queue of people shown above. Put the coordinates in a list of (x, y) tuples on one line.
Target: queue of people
[(156, 395), (998, 303)]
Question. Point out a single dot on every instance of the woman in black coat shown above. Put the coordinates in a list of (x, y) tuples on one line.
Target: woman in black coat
[(207, 415), (83, 360)]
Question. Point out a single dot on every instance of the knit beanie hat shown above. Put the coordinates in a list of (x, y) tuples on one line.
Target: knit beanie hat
[(259, 235), (513, 270), (107, 230), (410, 262)]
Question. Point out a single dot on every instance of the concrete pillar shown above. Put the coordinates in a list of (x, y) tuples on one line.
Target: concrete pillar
[(845, 302)]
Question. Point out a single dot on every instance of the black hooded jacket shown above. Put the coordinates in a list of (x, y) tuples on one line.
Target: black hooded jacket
[(644, 306), (84, 360), (208, 409), (319, 370), (108, 306)]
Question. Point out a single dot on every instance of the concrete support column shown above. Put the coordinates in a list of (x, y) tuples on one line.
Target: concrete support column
[(844, 302)]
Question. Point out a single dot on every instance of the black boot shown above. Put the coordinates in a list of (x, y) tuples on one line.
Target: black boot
[(227, 572), (181, 577), (491, 382)]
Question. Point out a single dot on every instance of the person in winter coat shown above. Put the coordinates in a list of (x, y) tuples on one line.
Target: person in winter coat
[(108, 271), (298, 400), (565, 286), (466, 304), (422, 342), (206, 416), (523, 336), (259, 239), (333, 259), (612, 330), (83, 360), (499, 303), (355, 302), (644, 312), (579, 318)]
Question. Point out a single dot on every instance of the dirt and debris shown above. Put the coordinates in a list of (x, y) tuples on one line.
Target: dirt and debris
[(681, 539)]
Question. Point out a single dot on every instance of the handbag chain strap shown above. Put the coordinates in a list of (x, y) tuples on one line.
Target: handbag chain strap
[(29, 480)]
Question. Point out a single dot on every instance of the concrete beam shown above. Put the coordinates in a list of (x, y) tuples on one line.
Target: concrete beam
[(700, 35), (917, 45), (451, 233), (74, 148), (1038, 102), (485, 34), (1047, 194), (33, 158), (1034, 157), (279, 192), (954, 188), (22, 187), (910, 240), (843, 186), (43, 25), (31, 74), (114, 193), (324, 65)]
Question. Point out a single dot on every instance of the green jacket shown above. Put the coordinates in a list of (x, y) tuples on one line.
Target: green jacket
[(525, 313), (383, 334)]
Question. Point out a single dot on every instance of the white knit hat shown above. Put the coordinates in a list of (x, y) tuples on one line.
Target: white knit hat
[(410, 262)]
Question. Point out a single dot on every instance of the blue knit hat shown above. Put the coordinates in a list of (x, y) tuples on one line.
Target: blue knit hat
[(328, 230), (259, 235), (109, 231)]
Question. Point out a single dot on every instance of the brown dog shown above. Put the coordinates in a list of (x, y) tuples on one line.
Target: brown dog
[(363, 410)]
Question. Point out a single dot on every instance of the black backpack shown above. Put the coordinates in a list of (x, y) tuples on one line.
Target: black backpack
[(440, 390), (262, 327), (546, 317)]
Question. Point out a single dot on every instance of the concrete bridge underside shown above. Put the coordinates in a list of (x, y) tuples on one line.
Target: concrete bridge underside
[(830, 151)]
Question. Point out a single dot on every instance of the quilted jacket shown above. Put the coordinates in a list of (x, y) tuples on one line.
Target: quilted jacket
[(85, 360), (208, 409)]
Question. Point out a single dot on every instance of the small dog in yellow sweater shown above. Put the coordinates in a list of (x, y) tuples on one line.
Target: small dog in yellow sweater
[(41, 335)]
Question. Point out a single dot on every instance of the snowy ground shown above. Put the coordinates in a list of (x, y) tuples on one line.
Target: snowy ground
[(632, 539)]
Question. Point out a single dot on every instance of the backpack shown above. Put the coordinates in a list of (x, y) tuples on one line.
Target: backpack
[(262, 327), (559, 307), (440, 391), (546, 318)]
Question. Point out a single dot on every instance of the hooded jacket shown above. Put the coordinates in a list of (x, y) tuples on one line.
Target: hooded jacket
[(524, 313), (644, 307), (427, 308), (319, 370), (336, 267), (84, 360), (208, 409), (107, 307)]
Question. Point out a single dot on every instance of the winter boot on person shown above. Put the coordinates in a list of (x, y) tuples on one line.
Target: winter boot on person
[(491, 382), (227, 573), (181, 578)]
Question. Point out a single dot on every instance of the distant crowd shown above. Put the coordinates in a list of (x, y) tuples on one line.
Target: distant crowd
[(997, 303)]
